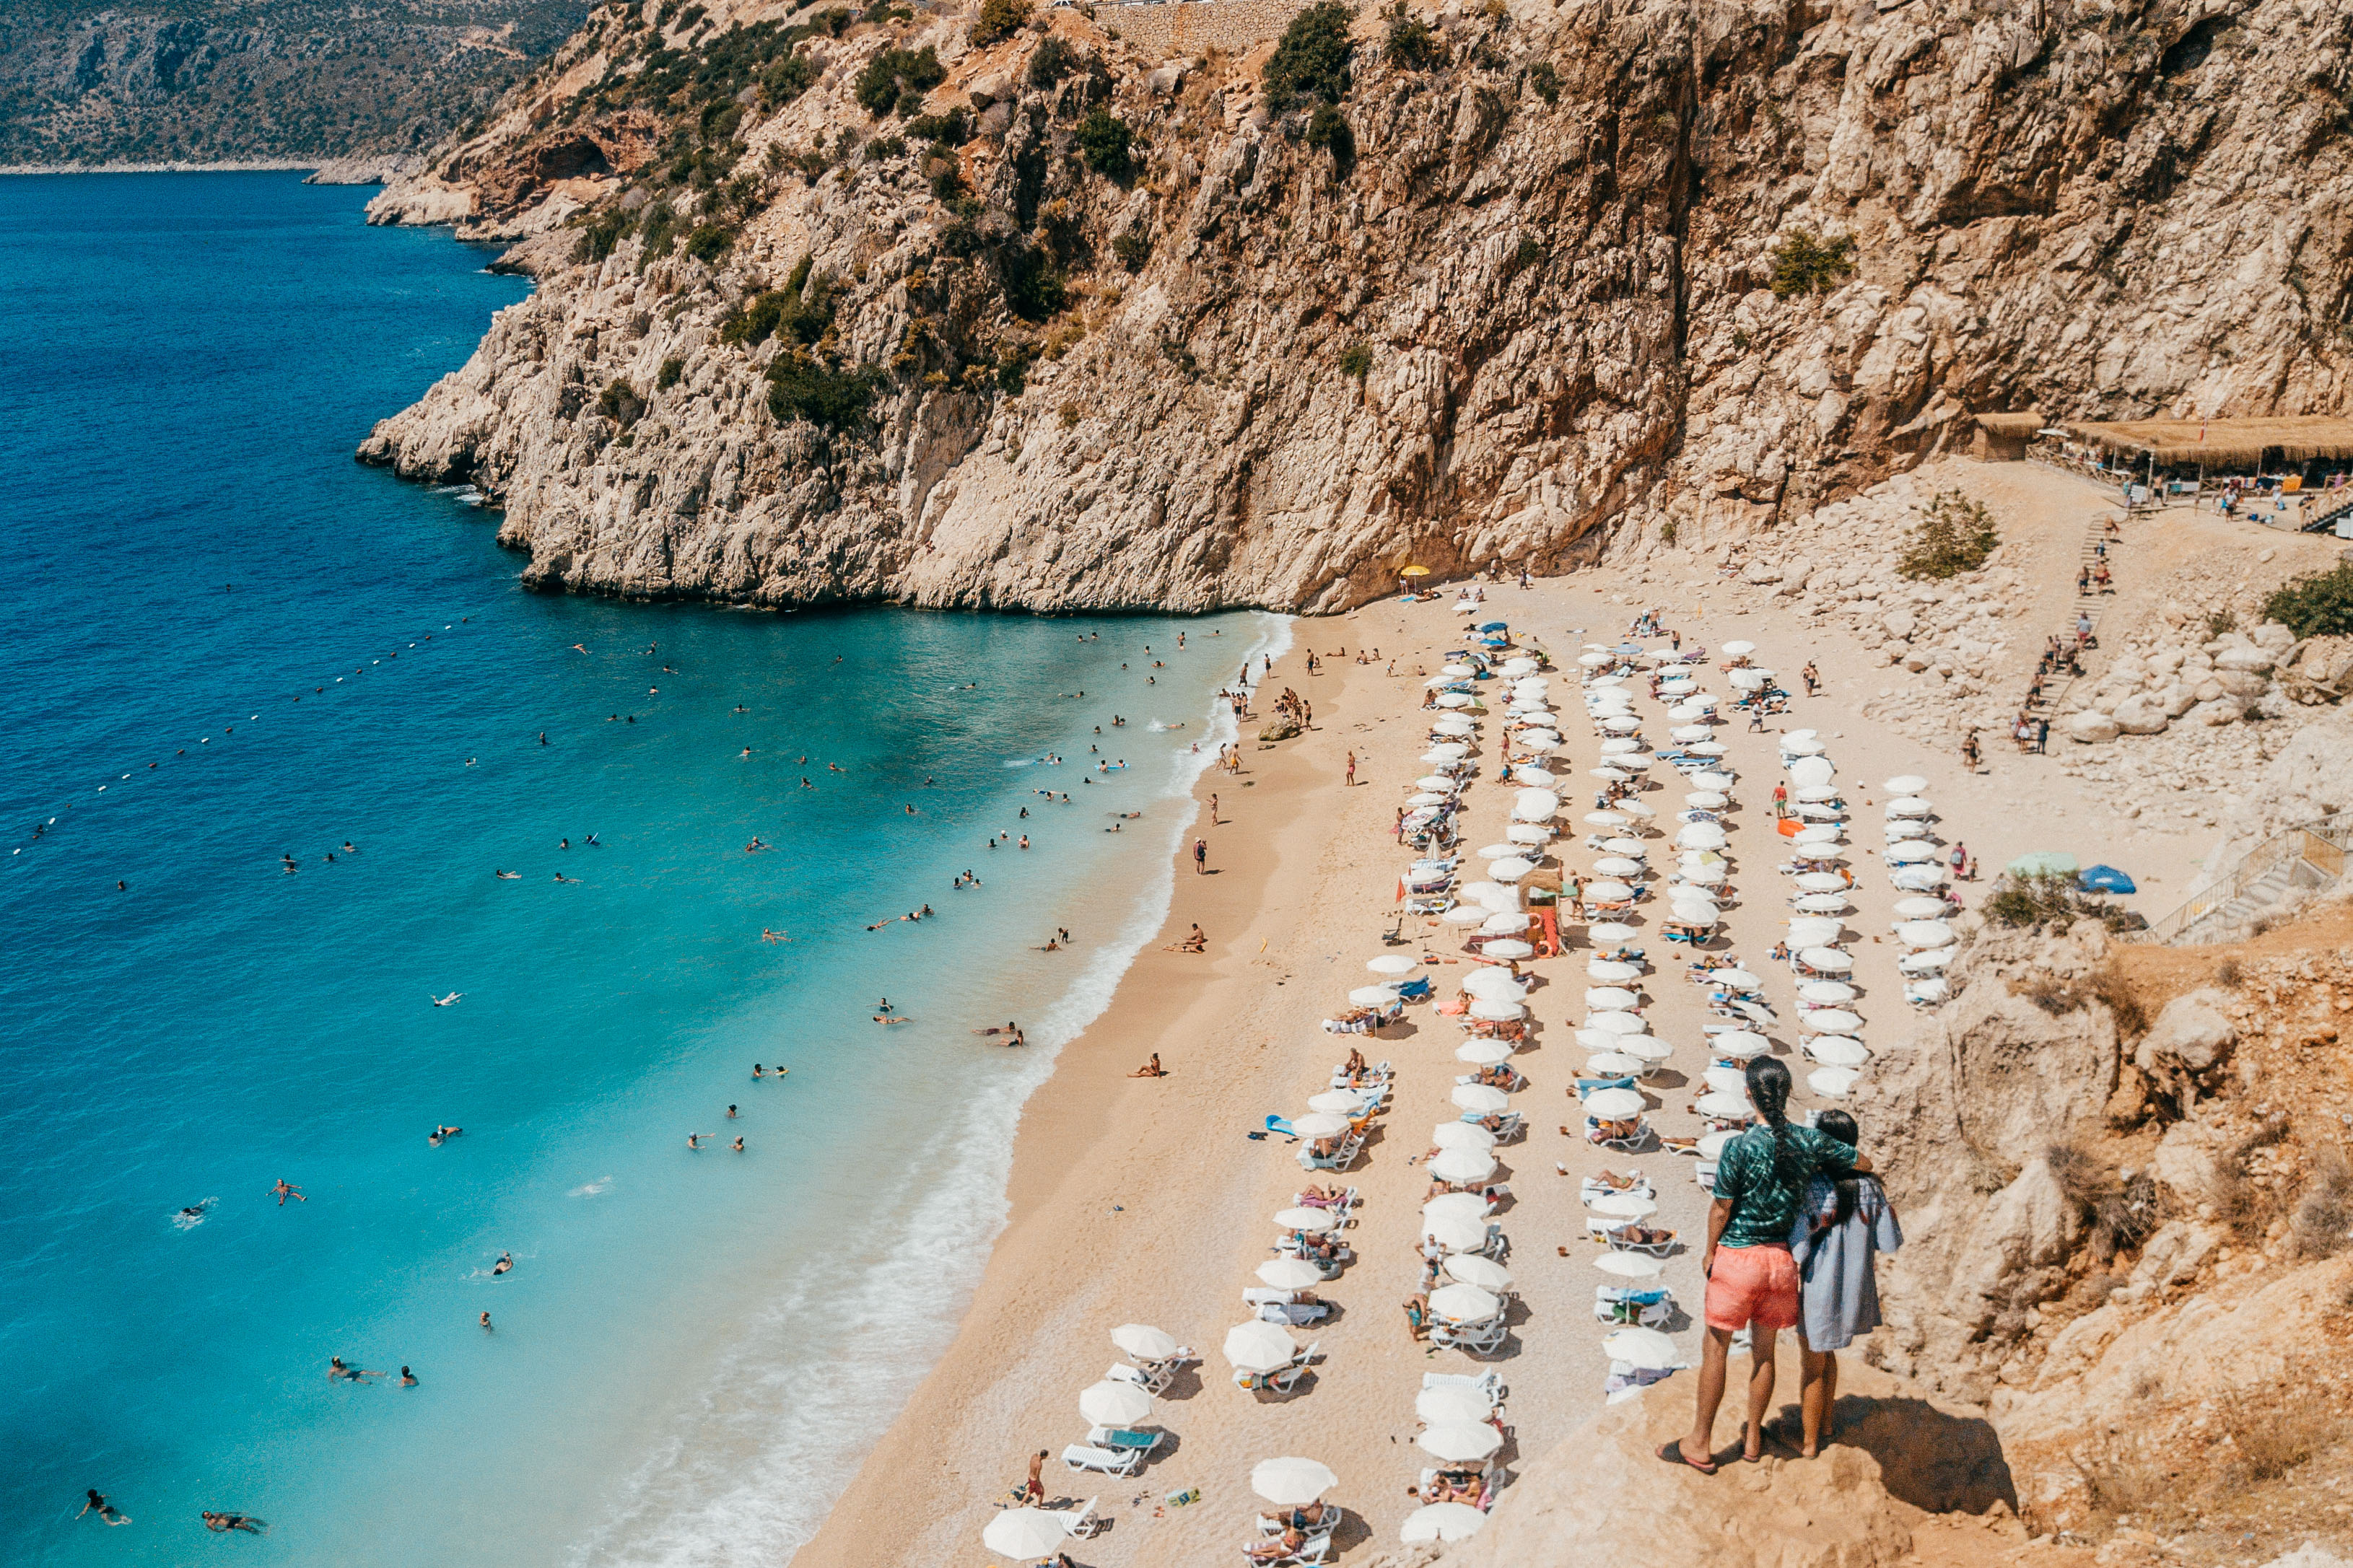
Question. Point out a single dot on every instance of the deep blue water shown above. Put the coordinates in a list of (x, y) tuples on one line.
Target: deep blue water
[(259, 648)]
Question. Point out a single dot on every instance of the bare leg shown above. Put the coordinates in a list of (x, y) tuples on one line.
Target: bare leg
[(1817, 1380), (1714, 1350), (1761, 1389)]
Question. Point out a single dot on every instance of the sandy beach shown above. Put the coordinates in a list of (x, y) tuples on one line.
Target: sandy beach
[(1146, 1201)]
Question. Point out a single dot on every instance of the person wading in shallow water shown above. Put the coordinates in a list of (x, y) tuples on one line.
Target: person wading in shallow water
[(1761, 1182)]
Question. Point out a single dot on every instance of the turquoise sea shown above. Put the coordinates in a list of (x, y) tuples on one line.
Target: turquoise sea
[(227, 643)]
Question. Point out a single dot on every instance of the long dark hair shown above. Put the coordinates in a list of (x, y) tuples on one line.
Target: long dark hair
[(1768, 1091), (1837, 1124)]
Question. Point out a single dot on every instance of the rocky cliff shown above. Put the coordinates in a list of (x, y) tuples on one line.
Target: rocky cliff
[(84, 83), (1510, 283)]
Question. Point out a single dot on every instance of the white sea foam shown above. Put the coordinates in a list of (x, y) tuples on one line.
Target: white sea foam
[(591, 1189), (749, 1470)]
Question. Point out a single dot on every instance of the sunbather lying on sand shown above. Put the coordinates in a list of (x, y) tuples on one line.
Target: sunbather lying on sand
[(1276, 1548), (1316, 1198), (1151, 1068)]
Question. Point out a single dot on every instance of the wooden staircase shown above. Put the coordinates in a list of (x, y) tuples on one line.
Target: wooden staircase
[(2088, 601)]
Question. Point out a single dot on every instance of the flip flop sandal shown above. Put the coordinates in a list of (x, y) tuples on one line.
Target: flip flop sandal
[(1673, 1454)]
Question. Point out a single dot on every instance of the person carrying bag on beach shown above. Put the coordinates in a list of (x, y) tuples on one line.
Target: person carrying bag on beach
[(1761, 1182)]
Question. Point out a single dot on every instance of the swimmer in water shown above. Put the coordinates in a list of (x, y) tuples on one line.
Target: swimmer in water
[(738, 1145), (103, 1509), (505, 1262), (694, 1140), (448, 1001), (441, 1134), (486, 1322), (408, 1378), (285, 1189), (506, 876)]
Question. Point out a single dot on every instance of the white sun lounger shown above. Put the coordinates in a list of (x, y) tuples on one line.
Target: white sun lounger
[(1107, 1461)]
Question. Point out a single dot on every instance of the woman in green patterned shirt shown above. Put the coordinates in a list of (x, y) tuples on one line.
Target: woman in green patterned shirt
[(1752, 1280)]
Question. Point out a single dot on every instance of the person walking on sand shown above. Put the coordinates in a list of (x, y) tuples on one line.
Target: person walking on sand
[(1033, 1490), (1761, 1182), (1201, 857), (1213, 810), (1352, 771), (1844, 1223)]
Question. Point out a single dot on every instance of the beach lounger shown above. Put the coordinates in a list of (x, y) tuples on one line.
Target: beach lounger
[(1586, 1086), (1151, 1379), (1476, 1339), (1489, 1382), (1705, 1175), (1592, 1188), (1618, 1304), (1340, 1159), (1107, 1461), (1628, 1138), (1125, 1437), (1277, 1124)]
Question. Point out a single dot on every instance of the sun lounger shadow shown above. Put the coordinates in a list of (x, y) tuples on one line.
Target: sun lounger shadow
[(1928, 1458), (1184, 1383)]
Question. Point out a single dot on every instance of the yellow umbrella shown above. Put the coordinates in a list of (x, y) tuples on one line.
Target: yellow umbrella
[(1413, 570)]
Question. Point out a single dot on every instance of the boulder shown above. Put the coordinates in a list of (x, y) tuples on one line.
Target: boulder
[(2090, 726), (996, 120), (1282, 728), (2323, 671), (2142, 715), (994, 87), (2254, 660), (2224, 709), (2273, 638), (2244, 685), (2193, 1035), (1901, 621), (1761, 573), (2176, 700), (2184, 1162)]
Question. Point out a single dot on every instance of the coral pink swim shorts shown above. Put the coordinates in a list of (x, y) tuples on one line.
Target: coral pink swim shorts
[(1753, 1285)]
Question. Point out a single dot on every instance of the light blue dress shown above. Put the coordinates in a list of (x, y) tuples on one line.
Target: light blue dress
[(1840, 1296)]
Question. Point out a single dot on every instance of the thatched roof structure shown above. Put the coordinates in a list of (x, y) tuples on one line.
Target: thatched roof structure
[(2011, 424), (2228, 442)]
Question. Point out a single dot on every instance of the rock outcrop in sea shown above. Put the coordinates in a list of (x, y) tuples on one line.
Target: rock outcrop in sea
[(879, 305)]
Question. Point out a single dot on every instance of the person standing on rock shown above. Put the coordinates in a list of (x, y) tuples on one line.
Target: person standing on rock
[(1844, 1223), (1761, 1180)]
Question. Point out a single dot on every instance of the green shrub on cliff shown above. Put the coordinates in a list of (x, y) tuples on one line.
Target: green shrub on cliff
[(1955, 535), (801, 386), (1132, 246), (620, 401), (1412, 42), (2317, 605), (1106, 143), (1312, 60), (708, 243), (898, 79), (1052, 62), (1805, 263), (998, 17)]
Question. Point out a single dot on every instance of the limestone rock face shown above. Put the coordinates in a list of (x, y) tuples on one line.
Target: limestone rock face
[(2091, 726), (1497, 327), (2192, 1034)]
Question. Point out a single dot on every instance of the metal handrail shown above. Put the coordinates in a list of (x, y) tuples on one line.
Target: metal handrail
[(2331, 836)]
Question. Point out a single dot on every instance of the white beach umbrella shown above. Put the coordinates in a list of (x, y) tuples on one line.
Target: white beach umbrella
[(1446, 751), (1542, 741), (1690, 732), (1393, 964), (1609, 972), (1509, 948), (1706, 748), (1925, 962), (1466, 915), (1542, 803), (1027, 1533), (1832, 1083), (1738, 1044), (1539, 777), (1630, 847), (1922, 878), (1608, 776), (1817, 832), (1821, 904), (1608, 890), (1506, 922), (1705, 799), (1826, 960), (1811, 772), (1644, 1049), (1426, 799), (1292, 1482), (1610, 999), (1494, 985), (1109, 1403), (1700, 836), (1455, 1232), (1711, 1145), (1465, 1303), (1746, 679), (1522, 665), (1319, 1124), (1453, 724), (1612, 933), (1488, 1011), (1837, 1051), (1617, 1024), (1826, 993), (1463, 1166), (1619, 866), (1620, 746), (1816, 794), (1814, 932), (1623, 1205), (1629, 1265), (1795, 748), (1899, 830), (1459, 1442), (1906, 783), (1707, 874), (1821, 882), (1737, 650), (1144, 1341), (1614, 1104), (1726, 1079), (1484, 1272), (1644, 1349), (1456, 1206), (1510, 868), (1622, 724), (1711, 778), (1908, 806), (1695, 913), (1335, 1102), (1614, 1063), (1829, 1021), (1924, 933), (1373, 995), (1257, 1346), (1455, 700), (1436, 783), (1484, 1099), (1717, 1103), (1529, 833), (1595, 661), (1483, 1053), (1314, 1221), (1462, 1135), (1922, 908), (1735, 979)]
